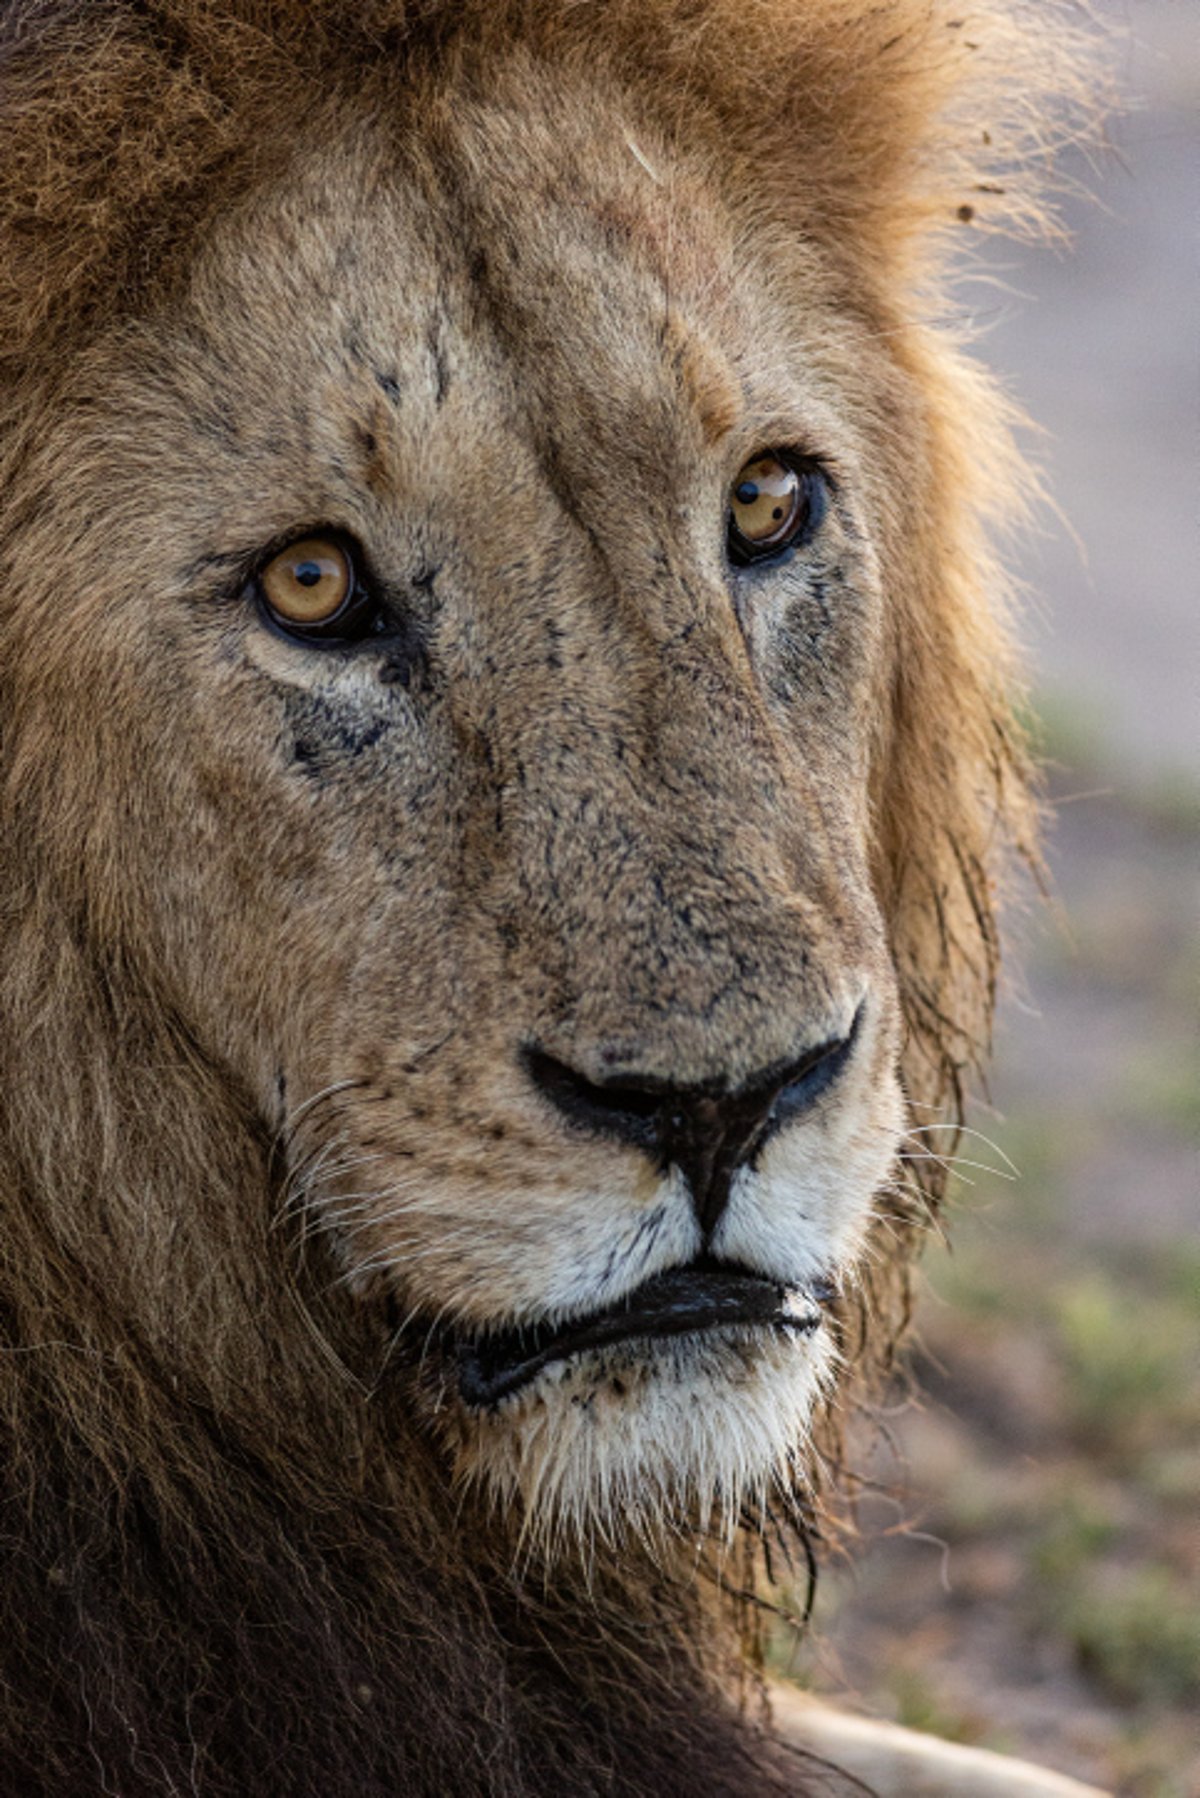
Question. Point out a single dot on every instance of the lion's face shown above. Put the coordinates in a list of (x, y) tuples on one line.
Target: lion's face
[(534, 911)]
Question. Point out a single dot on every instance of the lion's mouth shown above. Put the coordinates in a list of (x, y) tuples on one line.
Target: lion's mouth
[(704, 1295)]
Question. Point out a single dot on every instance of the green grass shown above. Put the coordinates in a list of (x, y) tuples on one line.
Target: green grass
[(919, 1707), (1141, 1639), (1065, 730), (1079, 1531), (1130, 1359), (1162, 1088), (1070, 734), (1171, 800)]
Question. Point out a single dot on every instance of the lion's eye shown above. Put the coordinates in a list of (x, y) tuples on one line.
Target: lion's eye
[(775, 503), (311, 591)]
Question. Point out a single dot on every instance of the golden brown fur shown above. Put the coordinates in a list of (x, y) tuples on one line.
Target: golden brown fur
[(269, 266)]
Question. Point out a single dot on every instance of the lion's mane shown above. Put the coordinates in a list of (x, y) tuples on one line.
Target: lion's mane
[(243, 1573)]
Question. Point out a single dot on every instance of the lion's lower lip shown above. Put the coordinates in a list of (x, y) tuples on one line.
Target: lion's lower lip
[(701, 1296)]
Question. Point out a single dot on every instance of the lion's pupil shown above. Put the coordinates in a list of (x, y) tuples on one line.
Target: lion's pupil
[(308, 574), (747, 493)]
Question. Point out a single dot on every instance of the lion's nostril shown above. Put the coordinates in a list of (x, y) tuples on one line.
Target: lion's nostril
[(813, 1074), (707, 1131), (630, 1111)]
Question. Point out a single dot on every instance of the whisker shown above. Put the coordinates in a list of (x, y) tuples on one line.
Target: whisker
[(287, 1129), (954, 1162), (965, 1130)]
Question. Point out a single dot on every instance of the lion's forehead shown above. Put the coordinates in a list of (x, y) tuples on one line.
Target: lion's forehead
[(377, 330)]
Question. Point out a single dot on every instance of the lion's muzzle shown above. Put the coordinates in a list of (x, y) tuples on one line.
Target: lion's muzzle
[(708, 1130)]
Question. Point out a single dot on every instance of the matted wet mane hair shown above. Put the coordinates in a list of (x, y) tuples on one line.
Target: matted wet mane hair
[(256, 1581)]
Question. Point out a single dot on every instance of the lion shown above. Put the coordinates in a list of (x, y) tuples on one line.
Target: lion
[(509, 765)]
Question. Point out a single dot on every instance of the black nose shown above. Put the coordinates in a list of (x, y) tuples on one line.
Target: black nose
[(705, 1131)]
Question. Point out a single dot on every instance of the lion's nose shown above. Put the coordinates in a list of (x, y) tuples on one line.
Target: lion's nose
[(706, 1131)]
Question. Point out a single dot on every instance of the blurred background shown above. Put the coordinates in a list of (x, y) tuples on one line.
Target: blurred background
[(1029, 1579)]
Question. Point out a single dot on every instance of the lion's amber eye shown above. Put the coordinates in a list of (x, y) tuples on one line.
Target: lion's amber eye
[(772, 504), (308, 584)]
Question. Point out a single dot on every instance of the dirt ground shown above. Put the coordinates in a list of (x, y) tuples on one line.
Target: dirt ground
[(1031, 1579)]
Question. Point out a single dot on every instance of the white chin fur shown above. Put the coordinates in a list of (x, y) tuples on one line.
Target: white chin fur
[(651, 1436)]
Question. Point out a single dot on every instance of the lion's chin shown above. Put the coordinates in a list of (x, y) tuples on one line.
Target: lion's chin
[(652, 1436)]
